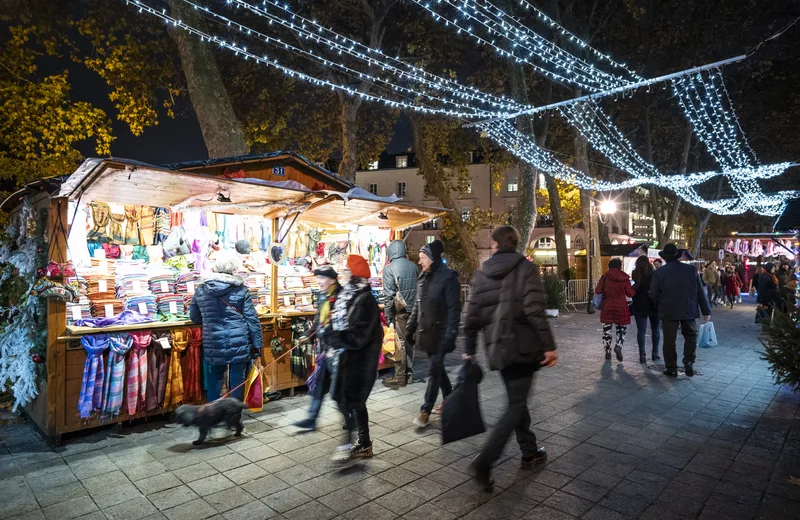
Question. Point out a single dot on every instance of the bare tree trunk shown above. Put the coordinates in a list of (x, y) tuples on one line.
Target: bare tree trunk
[(349, 120), (525, 210), (589, 223), (702, 216), (562, 254), (436, 186), (222, 131)]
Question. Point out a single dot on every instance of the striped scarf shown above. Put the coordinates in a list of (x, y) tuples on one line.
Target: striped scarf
[(91, 397), (137, 372), (161, 226), (133, 214), (193, 392), (174, 393), (147, 226), (115, 374)]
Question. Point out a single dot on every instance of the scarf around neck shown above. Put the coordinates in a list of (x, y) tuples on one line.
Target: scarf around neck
[(114, 381), (137, 372), (342, 306), (174, 393), (91, 397)]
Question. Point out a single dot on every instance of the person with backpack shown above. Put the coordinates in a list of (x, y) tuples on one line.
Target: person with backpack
[(508, 302), (433, 326), (399, 297), (615, 286)]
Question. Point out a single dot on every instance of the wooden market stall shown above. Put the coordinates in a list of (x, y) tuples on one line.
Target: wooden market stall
[(293, 217)]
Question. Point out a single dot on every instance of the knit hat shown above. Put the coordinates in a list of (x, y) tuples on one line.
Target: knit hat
[(358, 266), (769, 266), (227, 266), (243, 247), (433, 250), (326, 271)]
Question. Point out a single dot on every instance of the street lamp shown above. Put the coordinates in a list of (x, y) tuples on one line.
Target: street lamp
[(606, 207)]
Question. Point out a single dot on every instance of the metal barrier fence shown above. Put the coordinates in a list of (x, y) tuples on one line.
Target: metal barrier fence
[(577, 292), (464, 295)]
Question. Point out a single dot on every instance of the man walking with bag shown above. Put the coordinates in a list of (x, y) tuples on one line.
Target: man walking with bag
[(507, 302), (399, 299), (678, 293), (433, 326)]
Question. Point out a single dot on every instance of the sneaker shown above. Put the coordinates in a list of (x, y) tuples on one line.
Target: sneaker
[(306, 424), (343, 454), (539, 457), (438, 408), (421, 421), (361, 451)]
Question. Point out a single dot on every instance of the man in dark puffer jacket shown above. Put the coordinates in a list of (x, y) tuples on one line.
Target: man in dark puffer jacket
[(231, 330), (400, 276), (507, 301), (433, 327)]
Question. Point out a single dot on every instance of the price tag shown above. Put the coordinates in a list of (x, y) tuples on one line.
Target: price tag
[(287, 302), (173, 307), (190, 287), (305, 300), (143, 309), (100, 254), (259, 281), (76, 312), (137, 286), (104, 266), (164, 342), (102, 286), (165, 287), (109, 310)]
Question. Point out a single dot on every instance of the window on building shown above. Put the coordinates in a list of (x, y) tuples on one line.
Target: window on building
[(373, 188), (401, 189), (401, 161), (513, 184), (429, 239), (545, 243), (431, 224), (465, 214), (373, 165)]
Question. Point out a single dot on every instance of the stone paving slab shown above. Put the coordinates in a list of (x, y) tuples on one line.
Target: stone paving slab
[(623, 440)]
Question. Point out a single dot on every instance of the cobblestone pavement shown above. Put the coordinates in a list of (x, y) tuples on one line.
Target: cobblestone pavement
[(623, 441)]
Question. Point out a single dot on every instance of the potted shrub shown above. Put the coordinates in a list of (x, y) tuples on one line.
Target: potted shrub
[(556, 294)]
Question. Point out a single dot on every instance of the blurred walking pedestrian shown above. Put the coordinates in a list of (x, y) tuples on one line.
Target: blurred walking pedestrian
[(644, 310), (507, 302), (711, 278), (769, 296), (615, 286), (399, 298), (731, 283), (678, 292), (433, 326)]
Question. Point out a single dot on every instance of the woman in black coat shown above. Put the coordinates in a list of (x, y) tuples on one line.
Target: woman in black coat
[(643, 309), (358, 336)]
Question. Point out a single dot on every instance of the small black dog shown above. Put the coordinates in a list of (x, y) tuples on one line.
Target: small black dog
[(206, 416)]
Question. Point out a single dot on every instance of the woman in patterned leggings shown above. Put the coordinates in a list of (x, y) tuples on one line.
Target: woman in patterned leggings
[(615, 286)]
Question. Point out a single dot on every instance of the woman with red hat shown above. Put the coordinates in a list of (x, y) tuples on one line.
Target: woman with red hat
[(358, 336)]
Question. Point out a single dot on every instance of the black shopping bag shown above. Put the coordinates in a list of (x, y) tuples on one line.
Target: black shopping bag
[(461, 415)]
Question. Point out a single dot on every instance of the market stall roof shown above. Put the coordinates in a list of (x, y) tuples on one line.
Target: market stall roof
[(125, 181), (790, 218), (48, 185)]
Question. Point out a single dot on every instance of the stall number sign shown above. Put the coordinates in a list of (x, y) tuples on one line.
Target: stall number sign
[(280, 171), (143, 309), (722, 254), (109, 310), (173, 308), (164, 287), (190, 287), (102, 286)]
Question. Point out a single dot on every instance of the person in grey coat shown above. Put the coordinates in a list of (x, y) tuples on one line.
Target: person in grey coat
[(231, 330), (399, 278), (677, 291)]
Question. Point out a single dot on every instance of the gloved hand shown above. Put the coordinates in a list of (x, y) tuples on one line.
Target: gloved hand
[(254, 353)]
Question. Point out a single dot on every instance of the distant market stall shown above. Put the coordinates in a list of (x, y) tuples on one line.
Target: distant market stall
[(130, 242)]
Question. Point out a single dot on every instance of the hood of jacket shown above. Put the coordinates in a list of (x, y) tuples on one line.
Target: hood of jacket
[(219, 284), (617, 275), (397, 249), (502, 263)]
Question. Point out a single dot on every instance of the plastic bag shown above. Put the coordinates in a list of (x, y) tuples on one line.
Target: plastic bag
[(253, 389), (389, 340), (597, 301), (707, 337)]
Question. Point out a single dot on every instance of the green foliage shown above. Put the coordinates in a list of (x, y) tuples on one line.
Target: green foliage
[(479, 219), (555, 289), (571, 209), (782, 347)]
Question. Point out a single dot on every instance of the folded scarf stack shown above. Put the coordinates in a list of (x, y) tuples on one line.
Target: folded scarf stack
[(162, 283), (171, 304), (81, 310), (146, 305), (187, 283), (99, 284), (132, 284), (106, 308)]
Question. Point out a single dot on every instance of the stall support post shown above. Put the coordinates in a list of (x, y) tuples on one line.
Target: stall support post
[(56, 325), (273, 279)]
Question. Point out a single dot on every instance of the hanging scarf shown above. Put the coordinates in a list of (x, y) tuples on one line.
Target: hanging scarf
[(341, 307), (134, 215), (325, 309), (162, 225), (91, 397), (101, 214), (174, 392), (137, 372), (297, 363), (147, 226), (115, 233), (157, 369), (192, 392), (114, 382)]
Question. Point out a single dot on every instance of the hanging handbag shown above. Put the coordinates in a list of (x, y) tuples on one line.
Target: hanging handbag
[(399, 302)]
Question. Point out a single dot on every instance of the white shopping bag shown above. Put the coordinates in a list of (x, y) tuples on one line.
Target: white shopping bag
[(707, 337)]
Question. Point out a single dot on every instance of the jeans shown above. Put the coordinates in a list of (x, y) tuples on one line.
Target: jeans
[(216, 373), (689, 329), (641, 333), (516, 419), (405, 365), (712, 293), (437, 378)]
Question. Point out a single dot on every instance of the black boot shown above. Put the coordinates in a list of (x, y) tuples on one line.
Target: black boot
[(618, 352), (671, 372), (483, 476), (608, 353), (689, 367), (538, 457), (642, 358), (656, 357)]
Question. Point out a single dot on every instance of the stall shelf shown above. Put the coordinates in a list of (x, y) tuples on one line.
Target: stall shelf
[(126, 182)]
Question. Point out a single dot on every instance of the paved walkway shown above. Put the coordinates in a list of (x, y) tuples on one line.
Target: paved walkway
[(624, 442)]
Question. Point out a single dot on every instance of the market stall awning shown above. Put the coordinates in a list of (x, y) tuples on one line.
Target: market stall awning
[(362, 211), (129, 182)]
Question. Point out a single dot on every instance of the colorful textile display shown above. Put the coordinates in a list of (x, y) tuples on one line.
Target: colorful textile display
[(145, 305), (147, 226), (162, 225), (171, 304), (101, 214), (133, 214), (137, 372), (192, 391), (116, 229), (162, 283), (157, 370), (174, 392), (91, 398), (114, 381)]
